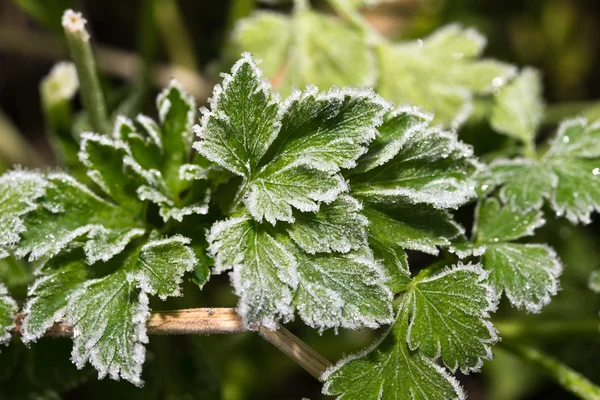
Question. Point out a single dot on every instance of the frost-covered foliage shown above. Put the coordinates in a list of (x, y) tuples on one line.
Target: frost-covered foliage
[(310, 201)]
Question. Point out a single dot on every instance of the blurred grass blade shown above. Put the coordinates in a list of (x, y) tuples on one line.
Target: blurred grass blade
[(14, 149), (46, 12), (569, 379)]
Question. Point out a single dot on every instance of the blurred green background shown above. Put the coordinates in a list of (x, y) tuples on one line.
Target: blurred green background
[(142, 43)]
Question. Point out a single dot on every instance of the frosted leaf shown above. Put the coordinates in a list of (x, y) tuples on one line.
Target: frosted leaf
[(287, 153), (576, 138), (190, 172), (527, 273), (342, 290), (47, 297), (450, 317), (594, 282), (277, 190), (143, 148), (464, 249), (306, 48), (8, 311), (431, 166), (105, 160), (104, 243), (167, 207), (440, 73), (495, 224), (411, 226), (18, 192), (109, 327), (337, 227), (67, 211), (161, 265), (392, 259), (395, 130), (389, 369), (264, 271), (526, 183), (519, 107)]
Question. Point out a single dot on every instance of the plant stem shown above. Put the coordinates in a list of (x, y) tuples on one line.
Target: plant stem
[(81, 53), (516, 329), (237, 10), (215, 321), (568, 378), (172, 30)]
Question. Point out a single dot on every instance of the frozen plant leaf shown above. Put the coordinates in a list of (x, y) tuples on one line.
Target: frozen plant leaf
[(161, 265), (526, 183), (427, 165), (450, 317), (576, 138), (109, 317), (8, 311), (440, 73), (342, 290), (336, 227), (411, 226), (19, 191), (67, 211), (104, 243), (264, 271), (288, 154), (389, 369), (306, 48), (527, 273), (47, 302), (519, 107), (496, 224)]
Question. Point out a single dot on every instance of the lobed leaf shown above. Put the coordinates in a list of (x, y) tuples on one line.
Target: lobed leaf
[(450, 317), (8, 311), (495, 224), (519, 107)]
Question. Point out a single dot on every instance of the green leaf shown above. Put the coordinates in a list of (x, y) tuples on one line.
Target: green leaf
[(527, 273), (306, 48), (440, 73), (495, 224), (144, 149), (18, 192), (389, 369), (161, 265), (526, 183), (109, 327), (450, 317), (414, 227), (264, 271), (67, 211), (576, 138), (336, 227), (519, 107), (342, 290), (47, 302), (594, 282), (288, 154), (8, 311), (429, 166)]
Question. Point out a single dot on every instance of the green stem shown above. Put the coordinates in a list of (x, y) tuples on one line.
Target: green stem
[(529, 150), (81, 53), (568, 378), (174, 34), (517, 329), (344, 9), (237, 10)]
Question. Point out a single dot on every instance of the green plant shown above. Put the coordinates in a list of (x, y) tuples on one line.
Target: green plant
[(309, 201)]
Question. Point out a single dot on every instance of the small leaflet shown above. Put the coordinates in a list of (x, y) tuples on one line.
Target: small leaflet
[(104, 243), (109, 317), (336, 227), (495, 224), (342, 290), (288, 153), (389, 369), (264, 271), (305, 48), (8, 311), (47, 297), (519, 107), (440, 73), (430, 166), (527, 273), (67, 211), (450, 317), (18, 192)]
